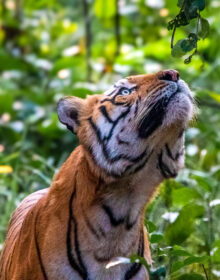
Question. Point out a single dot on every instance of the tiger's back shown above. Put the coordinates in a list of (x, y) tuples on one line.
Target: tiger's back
[(9, 253)]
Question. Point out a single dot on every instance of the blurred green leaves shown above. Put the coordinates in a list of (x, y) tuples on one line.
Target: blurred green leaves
[(105, 9), (42, 58)]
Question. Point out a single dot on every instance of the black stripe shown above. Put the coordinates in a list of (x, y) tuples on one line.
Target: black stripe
[(38, 249), (118, 221), (113, 101), (181, 133), (154, 118), (122, 142), (71, 259), (135, 268), (141, 163), (78, 252), (180, 153), (114, 221), (105, 113), (104, 141), (139, 167), (115, 122), (96, 129), (90, 226), (105, 150), (164, 169), (101, 259), (169, 153), (129, 224), (136, 107)]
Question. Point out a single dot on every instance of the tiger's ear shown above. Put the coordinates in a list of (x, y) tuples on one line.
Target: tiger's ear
[(69, 109)]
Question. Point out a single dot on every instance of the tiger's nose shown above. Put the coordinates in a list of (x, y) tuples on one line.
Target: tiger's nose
[(169, 75)]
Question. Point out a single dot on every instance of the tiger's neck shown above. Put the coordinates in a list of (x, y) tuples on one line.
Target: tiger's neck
[(109, 216)]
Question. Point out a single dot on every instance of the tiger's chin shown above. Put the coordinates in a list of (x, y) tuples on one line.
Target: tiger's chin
[(181, 108)]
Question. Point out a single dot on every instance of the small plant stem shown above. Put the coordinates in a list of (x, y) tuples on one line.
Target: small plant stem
[(211, 235), (88, 37), (205, 272), (174, 29), (173, 34)]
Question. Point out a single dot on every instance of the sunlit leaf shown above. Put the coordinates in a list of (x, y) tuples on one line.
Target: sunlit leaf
[(5, 169), (183, 196), (105, 9)]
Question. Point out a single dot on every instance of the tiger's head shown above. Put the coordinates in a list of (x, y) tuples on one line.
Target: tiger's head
[(138, 118)]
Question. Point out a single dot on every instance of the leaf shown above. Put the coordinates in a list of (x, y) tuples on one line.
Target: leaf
[(203, 182), (156, 274), (190, 276), (176, 266), (192, 7), (5, 169), (177, 50), (183, 226), (215, 96), (188, 261), (184, 195), (182, 47), (187, 45), (105, 9), (179, 251), (198, 4), (181, 19), (193, 259), (170, 24), (203, 31), (156, 237), (180, 3), (150, 226), (215, 253), (137, 259)]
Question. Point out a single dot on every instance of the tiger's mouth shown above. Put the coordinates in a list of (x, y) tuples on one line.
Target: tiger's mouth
[(172, 106)]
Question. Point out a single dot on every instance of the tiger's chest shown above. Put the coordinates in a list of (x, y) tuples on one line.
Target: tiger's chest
[(98, 272)]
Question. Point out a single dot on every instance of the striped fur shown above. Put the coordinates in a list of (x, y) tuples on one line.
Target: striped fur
[(131, 139)]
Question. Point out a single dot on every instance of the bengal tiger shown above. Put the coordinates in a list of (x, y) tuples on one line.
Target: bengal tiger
[(131, 139)]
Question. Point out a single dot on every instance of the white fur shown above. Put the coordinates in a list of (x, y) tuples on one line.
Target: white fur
[(118, 85)]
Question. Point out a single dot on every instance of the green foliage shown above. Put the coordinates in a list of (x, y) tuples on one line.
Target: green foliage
[(178, 232), (190, 9), (191, 276), (43, 57)]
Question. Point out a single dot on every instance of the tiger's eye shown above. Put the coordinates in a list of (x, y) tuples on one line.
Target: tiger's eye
[(124, 91)]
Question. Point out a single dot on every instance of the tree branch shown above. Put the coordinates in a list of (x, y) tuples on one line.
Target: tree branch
[(88, 37)]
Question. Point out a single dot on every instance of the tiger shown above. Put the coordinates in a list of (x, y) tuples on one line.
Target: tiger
[(131, 138)]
